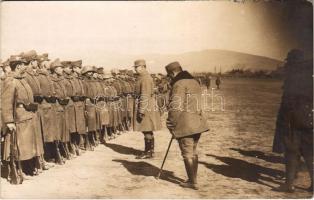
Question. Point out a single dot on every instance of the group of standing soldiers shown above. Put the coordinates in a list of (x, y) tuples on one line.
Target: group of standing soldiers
[(53, 111)]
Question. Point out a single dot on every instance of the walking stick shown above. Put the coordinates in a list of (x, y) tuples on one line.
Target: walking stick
[(163, 162)]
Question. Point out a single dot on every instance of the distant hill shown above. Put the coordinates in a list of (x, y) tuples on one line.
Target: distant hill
[(207, 60), (197, 61)]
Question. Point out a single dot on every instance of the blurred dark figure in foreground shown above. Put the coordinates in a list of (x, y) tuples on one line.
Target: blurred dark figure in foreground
[(294, 127)]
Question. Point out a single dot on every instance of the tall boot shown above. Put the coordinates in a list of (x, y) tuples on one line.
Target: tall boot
[(96, 137), (195, 166), (44, 164), (92, 140), (71, 149), (146, 149), (291, 170), (189, 167), (65, 150), (109, 133), (125, 125), (89, 145), (58, 158), (152, 147), (38, 166), (81, 141), (104, 136)]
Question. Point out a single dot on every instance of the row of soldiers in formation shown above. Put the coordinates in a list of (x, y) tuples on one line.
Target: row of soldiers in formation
[(60, 109)]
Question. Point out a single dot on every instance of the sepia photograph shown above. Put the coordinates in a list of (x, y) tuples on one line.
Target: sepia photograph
[(156, 99)]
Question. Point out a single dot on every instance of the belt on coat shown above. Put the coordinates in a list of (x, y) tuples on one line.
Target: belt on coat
[(38, 99), (93, 101), (63, 102), (76, 98), (51, 99), (31, 107)]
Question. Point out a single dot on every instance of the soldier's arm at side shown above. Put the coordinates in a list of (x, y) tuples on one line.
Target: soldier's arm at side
[(7, 103), (145, 93), (176, 102)]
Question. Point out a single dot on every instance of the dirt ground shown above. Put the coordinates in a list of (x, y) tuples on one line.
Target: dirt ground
[(235, 159)]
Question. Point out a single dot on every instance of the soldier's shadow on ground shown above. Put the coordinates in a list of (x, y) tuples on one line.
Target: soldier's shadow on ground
[(123, 149), (260, 155), (236, 168), (142, 168)]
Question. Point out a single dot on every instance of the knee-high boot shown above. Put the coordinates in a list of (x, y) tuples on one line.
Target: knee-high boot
[(189, 167), (58, 158), (195, 166)]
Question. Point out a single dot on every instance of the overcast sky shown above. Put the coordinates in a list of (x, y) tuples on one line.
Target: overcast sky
[(77, 29)]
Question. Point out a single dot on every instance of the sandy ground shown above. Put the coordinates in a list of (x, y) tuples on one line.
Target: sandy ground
[(235, 158)]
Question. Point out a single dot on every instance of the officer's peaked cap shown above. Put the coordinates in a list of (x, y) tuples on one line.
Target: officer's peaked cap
[(140, 62), (173, 66)]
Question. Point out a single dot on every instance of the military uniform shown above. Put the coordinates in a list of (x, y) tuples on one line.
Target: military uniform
[(296, 122), (146, 104), (91, 94), (90, 106), (18, 107), (31, 77), (146, 114), (185, 120), (47, 113), (79, 105)]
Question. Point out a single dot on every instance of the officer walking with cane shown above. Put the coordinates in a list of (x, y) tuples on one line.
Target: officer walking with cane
[(185, 120)]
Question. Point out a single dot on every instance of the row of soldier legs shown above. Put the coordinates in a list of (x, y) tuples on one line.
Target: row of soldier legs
[(54, 141)]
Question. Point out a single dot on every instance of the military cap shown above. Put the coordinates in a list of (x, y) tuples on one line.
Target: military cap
[(100, 70), (107, 75), (43, 57), (15, 59), (56, 63), (123, 71), (173, 66), (77, 63), (66, 63), (130, 73), (114, 71), (140, 62), (88, 69), (30, 55)]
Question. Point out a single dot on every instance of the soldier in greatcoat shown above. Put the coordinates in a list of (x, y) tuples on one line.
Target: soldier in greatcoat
[(71, 91), (110, 95), (185, 120), (61, 130), (102, 106), (119, 101), (146, 114), (18, 114), (47, 113), (31, 76), (90, 106), (79, 106)]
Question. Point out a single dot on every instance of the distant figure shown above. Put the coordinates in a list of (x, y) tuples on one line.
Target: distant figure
[(218, 82), (200, 81), (208, 81), (294, 127)]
